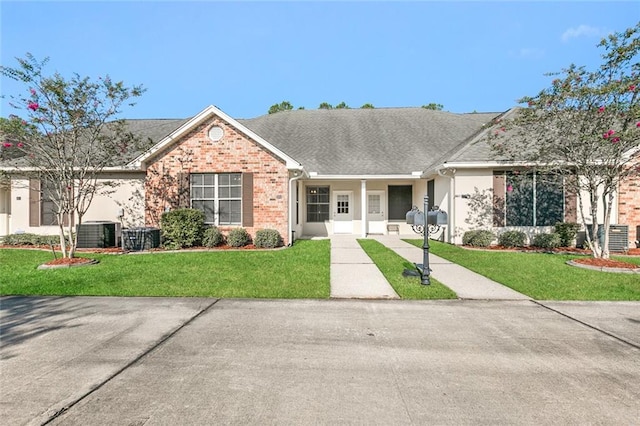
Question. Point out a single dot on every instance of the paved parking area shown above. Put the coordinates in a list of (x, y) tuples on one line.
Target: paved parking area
[(134, 361)]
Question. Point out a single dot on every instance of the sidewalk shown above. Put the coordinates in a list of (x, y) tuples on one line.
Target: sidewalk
[(465, 283), (353, 273)]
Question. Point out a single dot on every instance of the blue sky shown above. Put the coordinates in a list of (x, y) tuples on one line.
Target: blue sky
[(246, 56)]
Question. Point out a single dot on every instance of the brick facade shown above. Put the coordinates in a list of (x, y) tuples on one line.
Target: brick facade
[(629, 205), (167, 183)]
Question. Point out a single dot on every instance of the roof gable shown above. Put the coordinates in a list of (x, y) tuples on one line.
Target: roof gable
[(185, 127)]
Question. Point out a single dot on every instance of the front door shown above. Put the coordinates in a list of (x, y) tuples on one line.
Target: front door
[(342, 212), (375, 213)]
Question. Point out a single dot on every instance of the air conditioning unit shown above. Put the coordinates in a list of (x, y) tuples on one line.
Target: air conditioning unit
[(138, 239), (618, 237), (98, 234)]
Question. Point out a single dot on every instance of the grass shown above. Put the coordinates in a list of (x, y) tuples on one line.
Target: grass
[(543, 276), (391, 265), (301, 271)]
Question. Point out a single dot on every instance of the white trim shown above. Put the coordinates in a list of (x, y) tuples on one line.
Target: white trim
[(316, 176), (363, 208), (18, 170), (196, 120)]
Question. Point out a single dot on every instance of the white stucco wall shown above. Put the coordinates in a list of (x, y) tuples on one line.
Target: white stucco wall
[(587, 209), (355, 187), (128, 194), (466, 183)]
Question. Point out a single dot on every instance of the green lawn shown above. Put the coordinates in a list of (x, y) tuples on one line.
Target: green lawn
[(543, 276), (391, 265), (301, 271)]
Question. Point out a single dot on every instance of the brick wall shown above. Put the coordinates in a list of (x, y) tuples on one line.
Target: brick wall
[(629, 205), (167, 183)]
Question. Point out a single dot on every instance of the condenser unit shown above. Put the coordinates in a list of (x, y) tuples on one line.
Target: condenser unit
[(97, 234), (618, 237)]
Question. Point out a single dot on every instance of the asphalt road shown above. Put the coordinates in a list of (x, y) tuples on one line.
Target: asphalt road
[(158, 361)]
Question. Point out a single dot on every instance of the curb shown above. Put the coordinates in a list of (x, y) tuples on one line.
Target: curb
[(73, 265), (604, 268)]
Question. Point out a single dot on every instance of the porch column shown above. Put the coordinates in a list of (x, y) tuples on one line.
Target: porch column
[(363, 207)]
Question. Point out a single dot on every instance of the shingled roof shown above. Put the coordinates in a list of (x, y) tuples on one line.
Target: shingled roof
[(148, 131), (381, 141), (385, 141)]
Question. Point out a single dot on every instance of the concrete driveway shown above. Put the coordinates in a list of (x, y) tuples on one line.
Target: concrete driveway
[(135, 361)]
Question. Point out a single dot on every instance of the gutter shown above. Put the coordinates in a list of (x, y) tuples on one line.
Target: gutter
[(317, 176)]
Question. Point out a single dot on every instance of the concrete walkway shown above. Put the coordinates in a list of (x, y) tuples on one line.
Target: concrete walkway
[(355, 276), (465, 283), (353, 273)]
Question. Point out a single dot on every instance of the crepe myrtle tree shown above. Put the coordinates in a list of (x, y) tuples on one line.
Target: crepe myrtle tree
[(65, 132), (586, 125)]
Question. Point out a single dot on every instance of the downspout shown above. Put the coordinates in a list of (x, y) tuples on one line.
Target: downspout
[(292, 205), (451, 202)]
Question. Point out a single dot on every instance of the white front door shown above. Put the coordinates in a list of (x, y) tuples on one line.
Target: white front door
[(342, 212), (375, 212)]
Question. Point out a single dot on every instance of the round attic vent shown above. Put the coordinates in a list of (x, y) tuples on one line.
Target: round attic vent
[(215, 133)]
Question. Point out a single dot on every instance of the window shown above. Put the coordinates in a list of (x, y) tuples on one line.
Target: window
[(342, 202), (42, 204), (48, 208), (528, 199), (400, 201), (317, 203), (219, 196)]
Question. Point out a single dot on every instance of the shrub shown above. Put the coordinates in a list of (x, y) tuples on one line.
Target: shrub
[(512, 239), (268, 238), (567, 232), (238, 237), (29, 239), (478, 238), (547, 241), (212, 237), (182, 228)]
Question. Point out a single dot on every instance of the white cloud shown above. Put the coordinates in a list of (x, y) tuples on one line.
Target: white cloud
[(532, 53), (582, 31), (527, 53)]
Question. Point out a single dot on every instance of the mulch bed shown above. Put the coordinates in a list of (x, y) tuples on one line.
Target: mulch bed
[(605, 263), (589, 261)]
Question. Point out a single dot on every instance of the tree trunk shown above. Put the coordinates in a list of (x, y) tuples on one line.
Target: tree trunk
[(63, 241), (594, 242)]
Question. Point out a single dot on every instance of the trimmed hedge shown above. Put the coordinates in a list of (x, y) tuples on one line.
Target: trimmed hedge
[(238, 237), (478, 238), (29, 240), (546, 241), (512, 239), (182, 228), (268, 238), (212, 237), (567, 232)]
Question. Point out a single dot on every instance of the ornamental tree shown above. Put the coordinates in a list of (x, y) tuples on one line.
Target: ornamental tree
[(585, 125), (66, 132)]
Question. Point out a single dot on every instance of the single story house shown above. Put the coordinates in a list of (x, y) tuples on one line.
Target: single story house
[(320, 172)]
